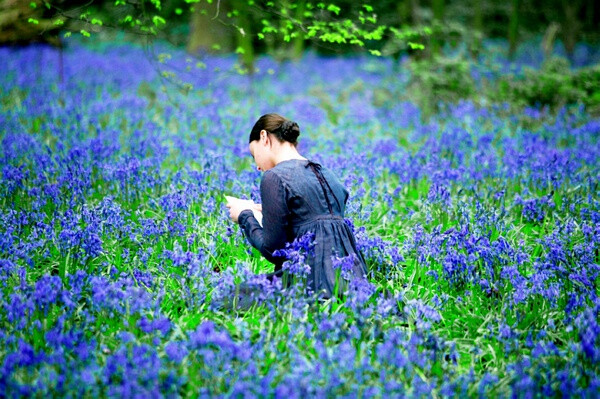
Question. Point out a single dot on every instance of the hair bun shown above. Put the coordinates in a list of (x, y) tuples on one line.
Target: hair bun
[(289, 131)]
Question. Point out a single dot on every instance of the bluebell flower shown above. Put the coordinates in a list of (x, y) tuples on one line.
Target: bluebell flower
[(162, 324), (176, 351), (345, 264), (47, 291), (296, 254), (535, 209)]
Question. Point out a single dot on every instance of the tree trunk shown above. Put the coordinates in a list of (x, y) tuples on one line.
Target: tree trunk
[(571, 26), (590, 13), (438, 9), (414, 10), (438, 19), (513, 28), (477, 24), (15, 27), (404, 11), (549, 38), (243, 37), (207, 31), (299, 40)]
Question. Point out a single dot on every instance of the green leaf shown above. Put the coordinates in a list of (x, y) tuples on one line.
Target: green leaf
[(59, 22), (367, 7), (156, 3), (96, 21), (33, 21), (260, 36), (158, 20), (119, 2), (67, 34), (375, 52), (312, 31), (240, 50), (416, 46), (333, 8), (84, 33), (33, 4), (216, 46), (267, 27), (178, 11)]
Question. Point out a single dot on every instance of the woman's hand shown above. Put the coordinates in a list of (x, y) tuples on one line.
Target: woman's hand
[(236, 206)]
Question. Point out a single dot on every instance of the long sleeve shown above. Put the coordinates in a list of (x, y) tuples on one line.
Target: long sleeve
[(273, 235)]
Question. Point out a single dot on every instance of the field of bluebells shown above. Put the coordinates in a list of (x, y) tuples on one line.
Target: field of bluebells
[(119, 267)]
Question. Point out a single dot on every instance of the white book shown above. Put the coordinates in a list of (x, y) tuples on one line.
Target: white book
[(257, 214)]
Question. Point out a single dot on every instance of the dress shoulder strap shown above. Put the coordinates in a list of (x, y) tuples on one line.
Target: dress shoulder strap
[(316, 168)]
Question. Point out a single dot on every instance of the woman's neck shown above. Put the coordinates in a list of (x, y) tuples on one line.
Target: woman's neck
[(287, 152)]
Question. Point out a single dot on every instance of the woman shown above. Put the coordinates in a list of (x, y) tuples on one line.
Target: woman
[(298, 196)]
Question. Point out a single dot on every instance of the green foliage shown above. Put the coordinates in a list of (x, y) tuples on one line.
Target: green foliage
[(550, 85), (553, 85), (156, 20), (587, 80), (439, 80), (277, 21)]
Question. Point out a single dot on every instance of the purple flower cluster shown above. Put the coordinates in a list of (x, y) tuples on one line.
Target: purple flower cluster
[(345, 264), (535, 209), (296, 254)]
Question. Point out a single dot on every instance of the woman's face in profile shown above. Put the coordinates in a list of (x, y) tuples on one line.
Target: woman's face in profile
[(261, 152)]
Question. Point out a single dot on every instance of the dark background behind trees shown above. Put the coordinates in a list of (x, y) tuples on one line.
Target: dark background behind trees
[(230, 25)]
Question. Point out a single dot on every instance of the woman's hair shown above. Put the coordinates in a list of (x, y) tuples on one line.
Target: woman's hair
[(283, 129)]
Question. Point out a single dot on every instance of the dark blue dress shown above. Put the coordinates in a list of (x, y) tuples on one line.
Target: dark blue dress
[(299, 196)]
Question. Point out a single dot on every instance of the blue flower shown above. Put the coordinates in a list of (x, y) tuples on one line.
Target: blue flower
[(48, 291), (176, 351), (345, 264), (296, 254)]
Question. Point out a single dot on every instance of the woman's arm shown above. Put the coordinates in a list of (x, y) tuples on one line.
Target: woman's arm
[(273, 234)]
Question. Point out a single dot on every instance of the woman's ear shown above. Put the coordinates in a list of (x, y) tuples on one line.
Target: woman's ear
[(264, 137)]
